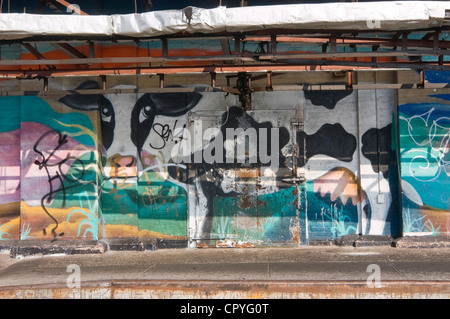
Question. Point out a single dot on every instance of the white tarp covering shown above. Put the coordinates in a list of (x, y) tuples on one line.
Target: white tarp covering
[(19, 25), (402, 15)]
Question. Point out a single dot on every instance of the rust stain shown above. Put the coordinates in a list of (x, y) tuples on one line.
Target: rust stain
[(296, 234), (202, 245), (232, 289), (245, 245), (246, 202), (247, 173)]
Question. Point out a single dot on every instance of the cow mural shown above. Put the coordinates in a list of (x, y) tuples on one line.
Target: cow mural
[(297, 167), (140, 134), (359, 143)]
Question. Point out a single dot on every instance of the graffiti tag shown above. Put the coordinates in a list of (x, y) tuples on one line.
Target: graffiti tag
[(52, 164), (164, 133)]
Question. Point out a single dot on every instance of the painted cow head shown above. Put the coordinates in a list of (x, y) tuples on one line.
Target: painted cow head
[(127, 121)]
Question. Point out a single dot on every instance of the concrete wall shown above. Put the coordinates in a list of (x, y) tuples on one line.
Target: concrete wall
[(314, 165)]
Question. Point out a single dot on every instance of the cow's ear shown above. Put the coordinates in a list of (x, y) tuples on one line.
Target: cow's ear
[(84, 102), (174, 104), (327, 98)]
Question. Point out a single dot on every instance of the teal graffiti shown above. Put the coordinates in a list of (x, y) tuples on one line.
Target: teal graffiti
[(419, 224), (339, 221), (3, 229), (90, 212), (425, 151), (24, 234)]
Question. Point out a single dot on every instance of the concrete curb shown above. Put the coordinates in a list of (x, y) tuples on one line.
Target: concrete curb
[(423, 242), (71, 247), (26, 248), (364, 241)]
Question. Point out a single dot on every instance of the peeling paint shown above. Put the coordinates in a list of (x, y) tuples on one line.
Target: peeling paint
[(234, 290)]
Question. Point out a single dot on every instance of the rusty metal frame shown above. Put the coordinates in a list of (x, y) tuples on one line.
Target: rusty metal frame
[(348, 85), (240, 59), (408, 48), (394, 50)]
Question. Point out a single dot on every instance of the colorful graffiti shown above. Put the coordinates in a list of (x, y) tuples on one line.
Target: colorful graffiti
[(425, 158), (298, 167)]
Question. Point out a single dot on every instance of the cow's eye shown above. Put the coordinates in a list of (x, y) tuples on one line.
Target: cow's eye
[(145, 113), (106, 114)]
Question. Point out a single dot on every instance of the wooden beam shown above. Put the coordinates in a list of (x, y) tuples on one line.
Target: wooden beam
[(223, 69), (33, 51), (217, 58), (37, 54), (225, 45), (294, 87), (393, 42), (69, 50)]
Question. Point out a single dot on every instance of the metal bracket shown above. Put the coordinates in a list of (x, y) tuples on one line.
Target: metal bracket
[(295, 180), (297, 124), (243, 84)]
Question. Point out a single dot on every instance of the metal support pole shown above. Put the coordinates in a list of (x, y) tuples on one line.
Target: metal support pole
[(350, 80), (103, 82), (165, 48), (161, 81), (237, 45), (45, 84), (273, 44), (213, 79), (269, 81), (422, 79)]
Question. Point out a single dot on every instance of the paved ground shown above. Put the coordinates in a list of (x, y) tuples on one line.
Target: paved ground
[(306, 272)]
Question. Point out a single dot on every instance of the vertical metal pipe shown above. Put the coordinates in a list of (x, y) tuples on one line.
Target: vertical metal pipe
[(165, 48), (422, 78), (237, 45), (161, 81), (269, 81), (45, 84), (213, 79), (103, 82), (350, 79)]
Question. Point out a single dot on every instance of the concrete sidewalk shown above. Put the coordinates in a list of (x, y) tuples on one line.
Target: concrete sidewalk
[(305, 272)]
